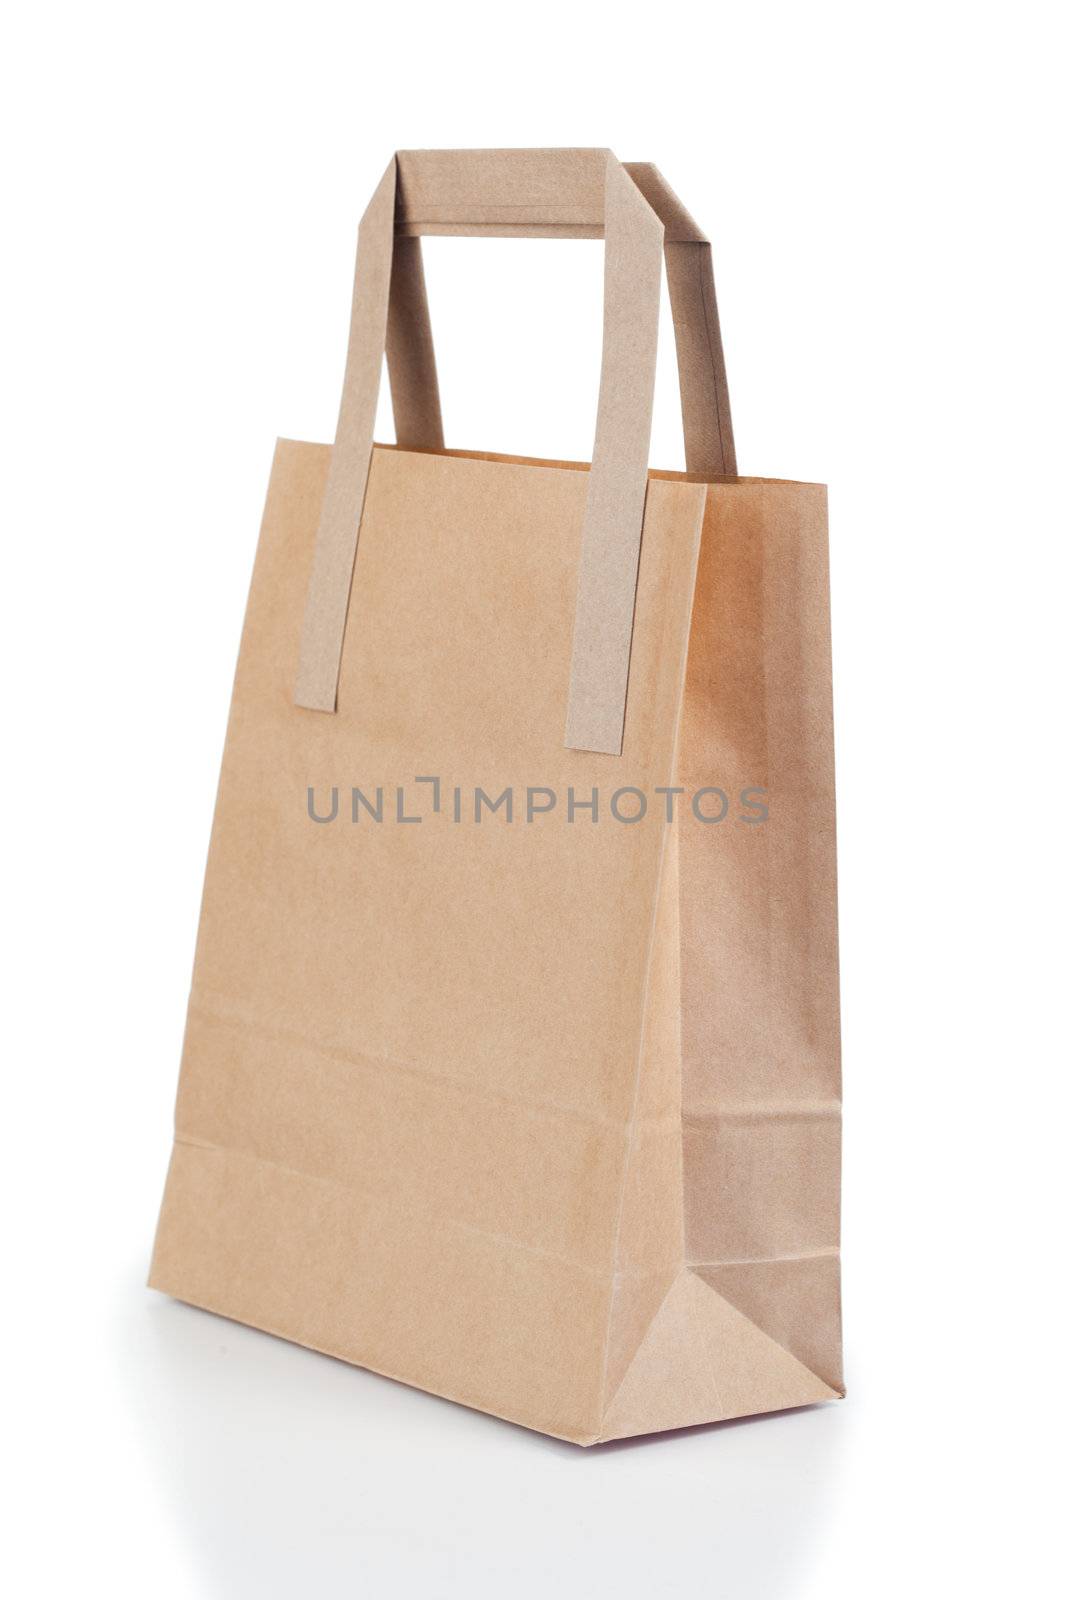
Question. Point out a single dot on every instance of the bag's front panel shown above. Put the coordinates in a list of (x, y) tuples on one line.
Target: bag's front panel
[(413, 1045), (650, 1249)]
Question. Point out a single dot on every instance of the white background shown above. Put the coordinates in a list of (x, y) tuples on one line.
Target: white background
[(182, 186)]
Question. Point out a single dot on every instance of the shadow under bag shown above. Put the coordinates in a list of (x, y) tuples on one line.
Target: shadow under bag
[(532, 1102)]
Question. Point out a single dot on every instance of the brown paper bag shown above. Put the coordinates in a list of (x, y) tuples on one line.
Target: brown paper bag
[(511, 1067)]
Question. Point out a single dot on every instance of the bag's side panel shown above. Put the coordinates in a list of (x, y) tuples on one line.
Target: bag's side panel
[(759, 989), (411, 1055)]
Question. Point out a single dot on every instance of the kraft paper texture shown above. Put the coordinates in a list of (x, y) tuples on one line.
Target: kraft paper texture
[(542, 1116)]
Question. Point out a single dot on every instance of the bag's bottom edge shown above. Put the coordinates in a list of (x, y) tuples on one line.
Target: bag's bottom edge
[(580, 1438)]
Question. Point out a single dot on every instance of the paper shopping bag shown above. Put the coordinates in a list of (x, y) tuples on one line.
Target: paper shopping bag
[(511, 1064)]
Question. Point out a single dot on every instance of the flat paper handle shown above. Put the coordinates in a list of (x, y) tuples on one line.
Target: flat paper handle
[(425, 175), (561, 193)]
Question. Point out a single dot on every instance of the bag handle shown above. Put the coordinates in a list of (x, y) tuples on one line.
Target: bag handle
[(526, 193), (709, 447)]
